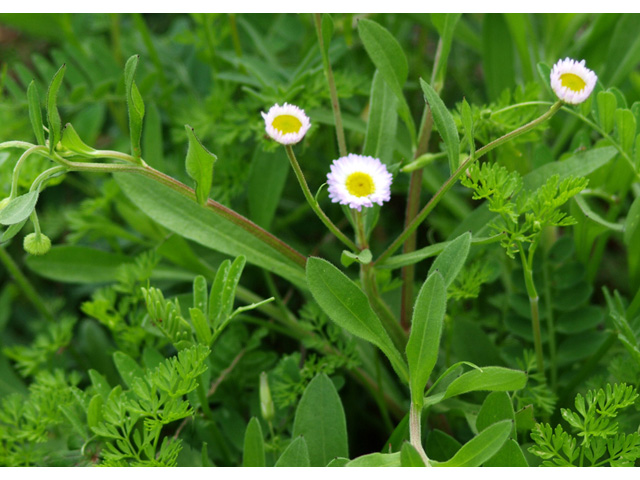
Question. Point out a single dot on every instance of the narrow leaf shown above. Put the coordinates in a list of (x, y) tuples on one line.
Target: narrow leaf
[(19, 208), (498, 59), (199, 164), (607, 104), (444, 123), (451, 260), (625, 128), (53, 116), (253, 454), (321, 421), (72, 141), (135, 105), (446, 26), (426, 330), (383, 121), (489, 378), (467, 123), (35, 112), (480, 448)]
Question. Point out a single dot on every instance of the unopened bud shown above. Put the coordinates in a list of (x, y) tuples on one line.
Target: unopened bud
[(36, 244), (266, 403)]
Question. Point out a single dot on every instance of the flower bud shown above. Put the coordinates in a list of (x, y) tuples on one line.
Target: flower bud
[(266, 403), (36, 244)]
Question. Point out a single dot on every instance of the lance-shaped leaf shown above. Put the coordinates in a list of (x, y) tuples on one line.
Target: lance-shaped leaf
[(135, 105), (426, 329), (72, 141), (493, 379), (19, 208), (253, 454), (445, 23), (199, 164), (451, 260), (480, 448), (35, 113), (53, 116), (349, 307), (295, 455), (467, 123), (445, 124)]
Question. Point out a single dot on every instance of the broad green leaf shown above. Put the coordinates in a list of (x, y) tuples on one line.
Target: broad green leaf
[(607, 104), (389, 58), (53, 116), (135, 105), (467, 123), (204, 226), (444, 123), (498, 59), (35, 112), (376, 460), (380, 139), (199, 164), (451, 260), (496, 407), (77, 264), (349, 308), (253, 453), (295, 455), (446, 25), (72, 141), (625, 128), (128, 368), (495, 379), (267, 178), (409, 456), (426, 330), (510, 455), (480, 448), (321, 421), (19, 208)]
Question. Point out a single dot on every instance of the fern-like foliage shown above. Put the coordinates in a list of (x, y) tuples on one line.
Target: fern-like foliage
[(597, 441)]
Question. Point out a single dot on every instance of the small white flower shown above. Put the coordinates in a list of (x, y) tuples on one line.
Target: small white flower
[(572, 81), (359, 181), (286, 124)]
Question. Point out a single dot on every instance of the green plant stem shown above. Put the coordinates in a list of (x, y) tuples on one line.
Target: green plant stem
[(23, 283), (454, 178), (314, 205), (534, 303), (16, 169), (335, 105), (551, 330), (415, 432)]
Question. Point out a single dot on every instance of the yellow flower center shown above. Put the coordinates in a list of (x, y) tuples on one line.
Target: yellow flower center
[(287, 124), (360, 184), (572, 82)]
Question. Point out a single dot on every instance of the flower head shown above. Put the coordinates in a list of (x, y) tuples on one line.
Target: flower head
[(36, 243), (286, 124), (572, 81), (359, 181)]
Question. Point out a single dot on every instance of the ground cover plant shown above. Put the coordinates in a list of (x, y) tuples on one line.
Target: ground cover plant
[(320, 240)]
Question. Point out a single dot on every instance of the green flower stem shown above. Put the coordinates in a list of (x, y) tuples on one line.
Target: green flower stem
[(454, 178), (23, 283), (415, 432), (335, 105), (16, 170), (16, 144), (550, 326), (527, 267), (314, 205)]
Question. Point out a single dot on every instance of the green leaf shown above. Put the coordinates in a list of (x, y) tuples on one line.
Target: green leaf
[(445, 23), (594, 216), (94, 412), (338, 462), (444, 123), (201, 326), (19, 208), (72, 141), (267, 178), (53, 116), (480, 448), (326, 27), (35, 112), (204, 226), (607, 104), (230, 285), (544, 71), (349, 308), (625, 128), (135, 105), (440, 446), (495, 379), (496, 407), (389, 58), (12, 231), (295, 455), (510, 455), (498, 59), (409, 456), (451, 260), (76, 264), (253, 453), (199, 164), (376, 460), (382, 125), (364, 257), (426, 330), (128, 368), (100, 384), (152, 140), (522, 32), (624, 49), (632, 224), (467, 123), (321, 421)]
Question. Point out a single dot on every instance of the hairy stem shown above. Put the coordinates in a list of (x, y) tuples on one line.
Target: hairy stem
[(415, 432)]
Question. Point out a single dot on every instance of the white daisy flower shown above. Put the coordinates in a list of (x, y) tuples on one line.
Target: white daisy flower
[(286, 124), (572, 81), (359, 181)]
